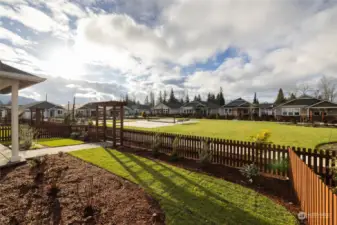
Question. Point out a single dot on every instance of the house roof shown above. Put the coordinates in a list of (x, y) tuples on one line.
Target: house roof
[(40, 105), (304, 101), (194, 104), (266, 105), (172, 105), (25, 79), (238, 103), (140, 107), (324, 104), (89, 105)]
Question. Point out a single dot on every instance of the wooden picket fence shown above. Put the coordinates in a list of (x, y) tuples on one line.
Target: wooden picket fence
[(317, 201), (270, 159), (5, 133)]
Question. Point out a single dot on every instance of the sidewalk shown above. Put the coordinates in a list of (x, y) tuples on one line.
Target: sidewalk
[(5, 153)]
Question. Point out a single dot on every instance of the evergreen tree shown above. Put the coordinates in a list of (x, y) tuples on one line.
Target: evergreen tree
[(127, 98), (152, 99), (292, 96), (256, 101), (165, 96), (195, 98), (187, 99), (146, 102), (280, 97), (221, 98), (209, 97), (160, 99), (213, 100), (172, 98), (199, 97), (181, 101)]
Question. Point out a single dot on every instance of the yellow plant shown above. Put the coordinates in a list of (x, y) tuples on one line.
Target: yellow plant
[(262, 137)]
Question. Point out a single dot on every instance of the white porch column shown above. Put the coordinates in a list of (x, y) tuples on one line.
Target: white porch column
[(15, 122)]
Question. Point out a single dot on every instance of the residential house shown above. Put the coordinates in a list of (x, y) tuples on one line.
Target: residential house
[(167, 108), (86, 110), (266, 109), (200, 108), (307, 108), (139, 108), (239, 108), (49, 110)]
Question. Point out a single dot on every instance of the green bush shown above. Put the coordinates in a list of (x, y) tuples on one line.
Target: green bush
[(175, 148), (205, 153), (250, 172), (156, 145), (75, 135), (27, 135)]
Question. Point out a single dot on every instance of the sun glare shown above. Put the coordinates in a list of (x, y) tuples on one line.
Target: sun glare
[(65, 63)]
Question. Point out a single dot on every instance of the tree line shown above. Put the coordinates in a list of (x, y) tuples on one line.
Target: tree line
[(326, 89)]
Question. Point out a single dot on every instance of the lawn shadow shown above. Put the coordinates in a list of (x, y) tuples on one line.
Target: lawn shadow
[(177, 200)]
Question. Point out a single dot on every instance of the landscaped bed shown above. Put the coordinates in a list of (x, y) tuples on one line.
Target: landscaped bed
[(61, 189), (188, 197)]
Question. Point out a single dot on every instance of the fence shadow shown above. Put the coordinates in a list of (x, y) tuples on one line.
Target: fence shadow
[(179, 194)]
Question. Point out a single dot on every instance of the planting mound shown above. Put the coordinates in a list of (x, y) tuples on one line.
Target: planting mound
[(61, 189)]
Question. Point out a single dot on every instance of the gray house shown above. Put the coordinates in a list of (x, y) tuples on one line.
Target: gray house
[(50, 110), (200, 108), (167, 108), (307, 108)]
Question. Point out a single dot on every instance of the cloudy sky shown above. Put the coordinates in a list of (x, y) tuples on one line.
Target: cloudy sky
[(102, 49)]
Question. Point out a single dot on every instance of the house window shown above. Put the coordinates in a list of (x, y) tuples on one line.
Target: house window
[(229, 110), (59, 112), (290, 111), (316, 113)]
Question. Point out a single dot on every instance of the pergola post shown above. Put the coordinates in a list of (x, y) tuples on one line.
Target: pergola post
[(121, 125), (104, 122), (114, 126), (15, 122), (97, 122), (31, 117)]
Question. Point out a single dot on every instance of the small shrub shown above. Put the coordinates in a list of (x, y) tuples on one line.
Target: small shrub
[(90, 123), (250, 172), (262, 137), (175, 147), (27, 135), (156, 145), (75, 135), (89, 208), (281, 166), (205, 153), (60, 154)]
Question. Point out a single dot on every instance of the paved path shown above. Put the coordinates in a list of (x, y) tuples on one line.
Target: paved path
[(5, 153)]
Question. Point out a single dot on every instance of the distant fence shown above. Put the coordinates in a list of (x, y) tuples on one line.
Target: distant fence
[(271, 159), (317, 201), (5, 133)]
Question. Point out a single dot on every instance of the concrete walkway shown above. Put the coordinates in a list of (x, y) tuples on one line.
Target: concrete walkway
[(5, 153)]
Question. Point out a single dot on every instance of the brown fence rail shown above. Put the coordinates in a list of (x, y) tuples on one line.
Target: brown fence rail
[(271, 159), (317, 200), (5, 133)]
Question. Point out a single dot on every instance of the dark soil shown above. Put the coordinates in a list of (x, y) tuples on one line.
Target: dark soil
[(279, 190), (66, 190)]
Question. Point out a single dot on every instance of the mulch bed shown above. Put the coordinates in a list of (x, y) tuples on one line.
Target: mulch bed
[(61, 189), (279, 190)]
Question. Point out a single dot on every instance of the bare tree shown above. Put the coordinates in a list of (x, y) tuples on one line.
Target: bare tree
[(328, 88), (303, 89)]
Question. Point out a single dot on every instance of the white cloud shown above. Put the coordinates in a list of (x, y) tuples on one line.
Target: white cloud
[(12, 37)]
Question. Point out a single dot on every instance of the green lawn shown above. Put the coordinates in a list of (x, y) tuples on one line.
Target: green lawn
[(281, 134), (191, 198), (58, 142)]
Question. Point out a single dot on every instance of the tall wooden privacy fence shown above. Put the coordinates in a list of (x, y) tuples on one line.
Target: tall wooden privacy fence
[(317, 200), (271, 159)]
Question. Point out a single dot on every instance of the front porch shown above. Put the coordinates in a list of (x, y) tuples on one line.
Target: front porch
[(11, 81)]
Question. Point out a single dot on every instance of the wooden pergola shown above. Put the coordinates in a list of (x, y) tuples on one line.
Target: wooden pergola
[(101, 111)]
